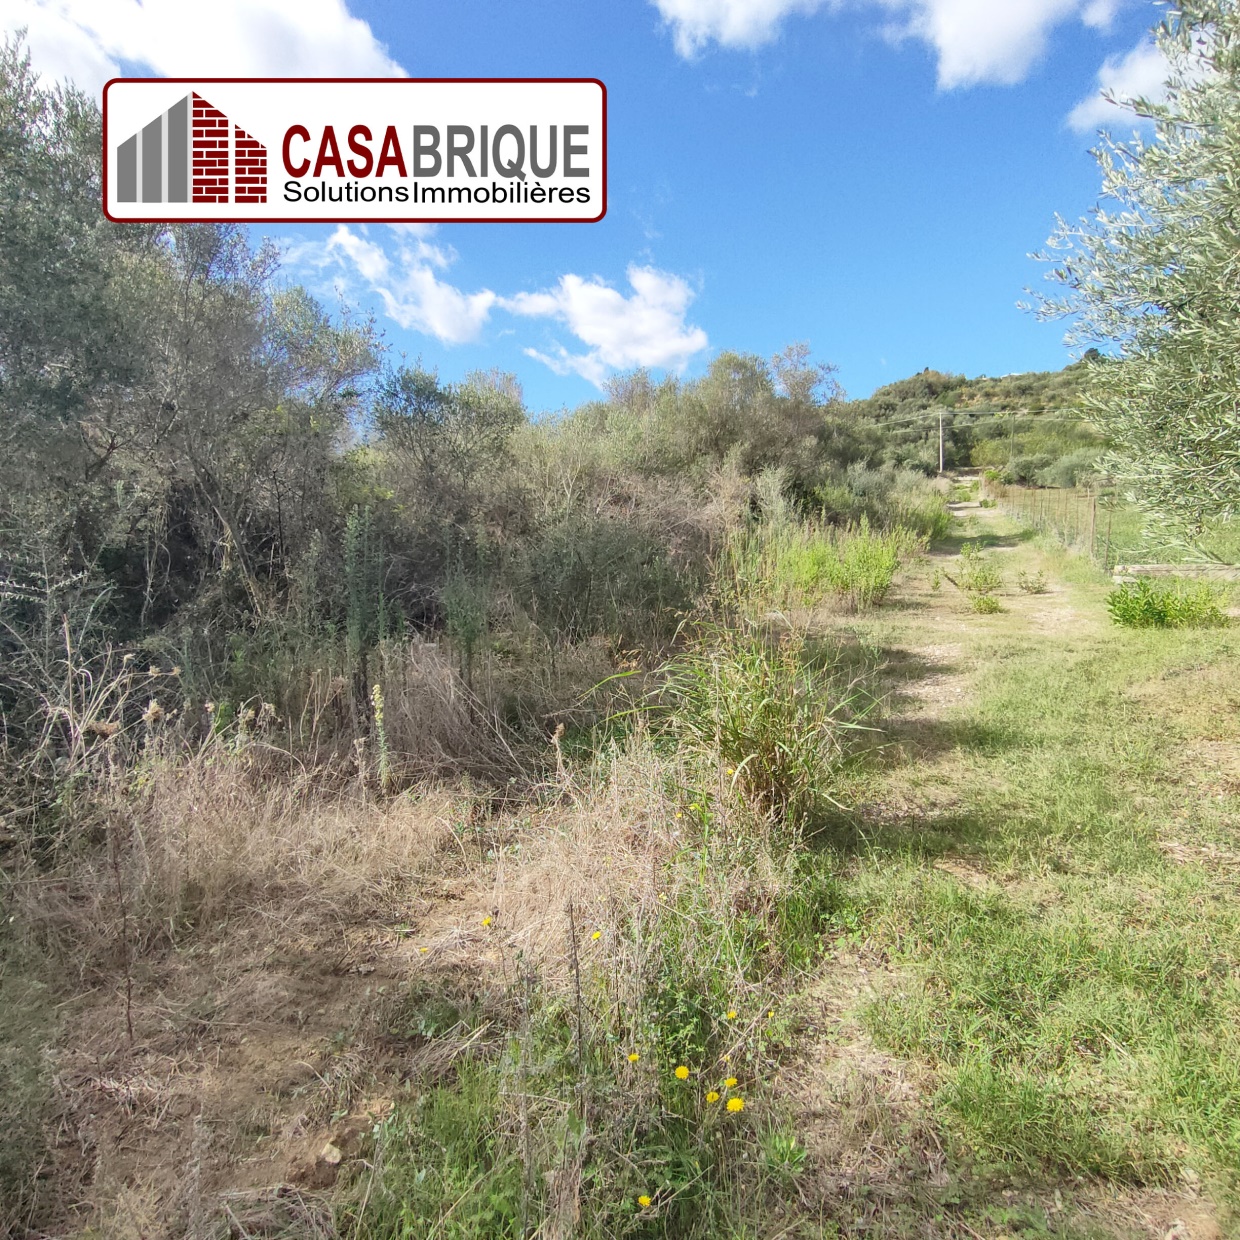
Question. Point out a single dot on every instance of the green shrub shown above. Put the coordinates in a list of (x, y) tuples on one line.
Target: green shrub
[(1174, 604), (985, 604), (886, 498), (1032, 583)]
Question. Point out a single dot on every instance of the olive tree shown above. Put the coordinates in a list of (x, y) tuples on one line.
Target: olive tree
[(1153, 277)]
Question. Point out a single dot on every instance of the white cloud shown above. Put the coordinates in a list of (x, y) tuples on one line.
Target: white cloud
[(404, 265), (647, 328), (1140, 73), (731, 23), (86, 41), (980, 41), (975, 41), (408, 282)]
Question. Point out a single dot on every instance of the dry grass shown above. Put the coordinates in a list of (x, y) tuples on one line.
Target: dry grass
[(215, 835)]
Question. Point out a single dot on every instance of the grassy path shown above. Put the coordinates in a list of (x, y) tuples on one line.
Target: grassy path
[(1034, 1027)]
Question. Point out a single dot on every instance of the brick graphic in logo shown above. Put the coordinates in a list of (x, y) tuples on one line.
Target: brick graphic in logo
[(191, 153)]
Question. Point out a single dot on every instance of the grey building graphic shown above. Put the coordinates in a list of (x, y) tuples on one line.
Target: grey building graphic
[(191, 153)]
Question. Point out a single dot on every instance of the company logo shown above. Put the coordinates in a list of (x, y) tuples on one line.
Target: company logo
[(191, 153), (355, 150)]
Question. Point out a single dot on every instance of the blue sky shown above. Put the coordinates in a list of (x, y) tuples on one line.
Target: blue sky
[(866, 175)]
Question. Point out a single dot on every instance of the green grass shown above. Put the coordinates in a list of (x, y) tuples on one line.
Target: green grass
[(1076, 1006), (26, 1028), (1080, 1008)]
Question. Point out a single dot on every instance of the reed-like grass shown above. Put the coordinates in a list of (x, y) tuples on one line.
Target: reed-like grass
[(800, 564), (779, 716)]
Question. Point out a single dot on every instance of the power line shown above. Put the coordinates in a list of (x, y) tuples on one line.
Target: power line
[(933, 412)]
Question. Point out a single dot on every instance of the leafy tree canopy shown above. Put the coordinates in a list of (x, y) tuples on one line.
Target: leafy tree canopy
[(1153, 277)]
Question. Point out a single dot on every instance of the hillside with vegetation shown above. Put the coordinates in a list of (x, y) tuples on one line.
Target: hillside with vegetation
[(689, 815), (1025, 428)]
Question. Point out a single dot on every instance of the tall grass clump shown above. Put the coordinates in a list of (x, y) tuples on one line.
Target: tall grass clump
[(776, 715), (800, 564), (1142, 604)]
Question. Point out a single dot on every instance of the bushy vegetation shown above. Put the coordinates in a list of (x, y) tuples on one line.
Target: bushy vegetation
[(284, 623), (1176, 604)]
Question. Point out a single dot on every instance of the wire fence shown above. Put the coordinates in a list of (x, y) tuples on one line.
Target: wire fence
[(1081, 518)]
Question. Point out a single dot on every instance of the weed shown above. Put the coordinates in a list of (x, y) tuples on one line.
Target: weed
[(985, 604), (1032, 583), (978, 575), (1166, 605), (783, 1155)]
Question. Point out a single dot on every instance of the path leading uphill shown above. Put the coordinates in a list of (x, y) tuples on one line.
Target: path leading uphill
[(1009, 811)]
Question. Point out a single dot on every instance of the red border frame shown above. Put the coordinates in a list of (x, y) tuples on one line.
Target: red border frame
[(352, 219)]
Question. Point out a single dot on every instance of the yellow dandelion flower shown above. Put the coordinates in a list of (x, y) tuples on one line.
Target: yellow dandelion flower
[(731, 1013), (644, 1201), (598, 934), (634, 1057), (771, 1014), (486, 921), (731, 770), (730, 1083), (713, 1096), (423, 949), (682, 1073), (679, 814), (736, 1104), (694, 805)]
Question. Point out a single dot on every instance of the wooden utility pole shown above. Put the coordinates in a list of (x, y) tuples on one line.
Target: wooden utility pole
[(940, 441)]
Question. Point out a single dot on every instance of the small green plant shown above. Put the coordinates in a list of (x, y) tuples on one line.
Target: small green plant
[(985, 604), (1142, 604), (783, 1156), (978, 575), (1032, 583), (466, 605), (936, 580)]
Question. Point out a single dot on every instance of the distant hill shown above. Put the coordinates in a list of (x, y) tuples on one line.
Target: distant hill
[(1023, 425)]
